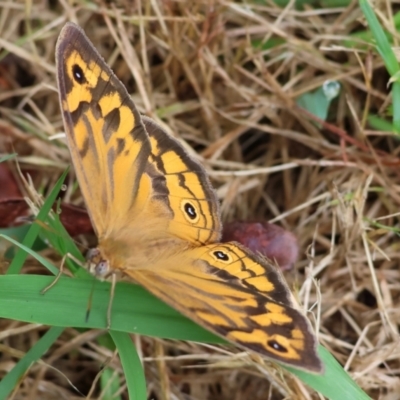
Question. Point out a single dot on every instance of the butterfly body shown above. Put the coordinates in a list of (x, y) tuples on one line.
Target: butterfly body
[(157, 217)]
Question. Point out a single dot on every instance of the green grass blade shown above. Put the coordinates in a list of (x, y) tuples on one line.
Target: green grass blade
[(29, 240), (109, 382), (134, 309), (335, 383), (7, 157), (382, 42), (60, 240), (18, 233), (9, 382), (388, 56), (133, 369), (33, 253)]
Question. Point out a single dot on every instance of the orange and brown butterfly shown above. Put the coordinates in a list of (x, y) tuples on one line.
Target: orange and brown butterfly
[(157, 217)]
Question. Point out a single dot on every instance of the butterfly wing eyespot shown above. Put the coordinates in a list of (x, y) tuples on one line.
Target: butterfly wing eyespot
[(273, 344), (157, 216), (221, 256), (189, 211), (78, 74)]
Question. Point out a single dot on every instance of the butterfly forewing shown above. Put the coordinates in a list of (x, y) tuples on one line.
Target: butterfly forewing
[(108, 142)]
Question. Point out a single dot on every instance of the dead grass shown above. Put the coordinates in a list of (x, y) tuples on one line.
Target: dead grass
[(205, 73)]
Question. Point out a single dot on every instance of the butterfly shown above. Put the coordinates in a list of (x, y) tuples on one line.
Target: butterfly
[(157, 219)]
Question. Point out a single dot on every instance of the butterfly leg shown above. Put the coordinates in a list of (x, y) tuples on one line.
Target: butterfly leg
[(60, 272)]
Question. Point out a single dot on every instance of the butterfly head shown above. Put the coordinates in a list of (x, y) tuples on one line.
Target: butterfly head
[(98, 265)]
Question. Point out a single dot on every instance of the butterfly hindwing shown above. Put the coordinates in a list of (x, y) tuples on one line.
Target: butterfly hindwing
[(240, 297)]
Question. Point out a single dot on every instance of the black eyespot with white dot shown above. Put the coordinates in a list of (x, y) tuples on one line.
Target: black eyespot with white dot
[(276, 346), (78, 74), (220, 255), (190, 211)]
